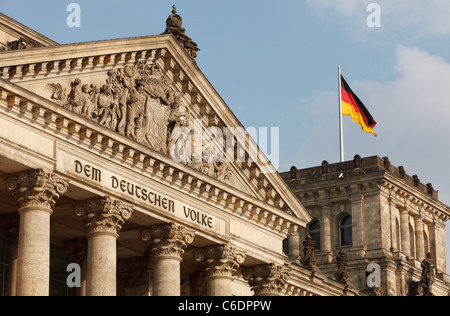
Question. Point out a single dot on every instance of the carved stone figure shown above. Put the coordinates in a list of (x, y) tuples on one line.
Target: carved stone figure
[(430, 189), (387, 163), (104, 102), (23, 43), (309, 261), (402, 171), (223, 172), (342, 274), (138, 101), (135, 108), (77, 98), (294, 173), (59, 95), (357, 161), (424, 286), (325, 167), (416, 180), (427, 276), (174, 25)]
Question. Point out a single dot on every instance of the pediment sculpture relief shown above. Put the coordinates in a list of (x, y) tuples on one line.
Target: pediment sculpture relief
[(140, 103)]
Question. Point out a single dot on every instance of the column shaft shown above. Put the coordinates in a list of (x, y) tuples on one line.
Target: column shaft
[(166, 276), (404, 227), (294, 245), (101, 263), (325, 230), (420, 241), (33, 268), (103, 219)]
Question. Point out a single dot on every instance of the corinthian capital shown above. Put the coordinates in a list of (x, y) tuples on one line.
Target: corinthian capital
[(267, 279), (36, 188), (219, 260), (167, 239), (103, 215)]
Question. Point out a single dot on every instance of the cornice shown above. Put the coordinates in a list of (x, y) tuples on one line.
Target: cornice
[(404, 195), (66, 125)]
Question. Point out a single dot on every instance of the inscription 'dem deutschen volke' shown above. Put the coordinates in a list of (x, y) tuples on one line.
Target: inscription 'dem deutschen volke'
[(142, 193)]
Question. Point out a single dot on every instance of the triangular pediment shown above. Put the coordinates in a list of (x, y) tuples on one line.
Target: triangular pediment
[(146, 88)]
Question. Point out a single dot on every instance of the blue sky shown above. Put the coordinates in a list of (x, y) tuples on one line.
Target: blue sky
[(275, 65)]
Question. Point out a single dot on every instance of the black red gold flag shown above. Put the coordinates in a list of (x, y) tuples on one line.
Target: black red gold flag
[(353, 107)]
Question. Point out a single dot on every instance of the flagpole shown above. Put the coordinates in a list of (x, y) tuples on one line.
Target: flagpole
[(341, 128)]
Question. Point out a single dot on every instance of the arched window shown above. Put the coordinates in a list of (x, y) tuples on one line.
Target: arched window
[(426, 242), (397, 235), (314, 231), (412, 240), (345, 231)]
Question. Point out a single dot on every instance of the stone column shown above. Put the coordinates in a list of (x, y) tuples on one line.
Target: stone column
[(267, 279), (404, 228), (437, 244), (357, 204), (420, 241), (77, 250), (36, 193), (167, 243), (9, 225), (219, 263), (294, 245), (325, 229), (103, 219)]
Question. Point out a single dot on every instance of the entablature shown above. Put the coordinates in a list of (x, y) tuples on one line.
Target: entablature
[(78, 132)]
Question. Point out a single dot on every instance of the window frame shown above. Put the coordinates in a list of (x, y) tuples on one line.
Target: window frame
[(343, 227), (315, 232)]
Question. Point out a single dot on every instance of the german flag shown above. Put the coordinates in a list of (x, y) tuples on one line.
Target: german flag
[(353, 107)]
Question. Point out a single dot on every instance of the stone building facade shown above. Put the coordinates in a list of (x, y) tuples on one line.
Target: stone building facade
[(92, 176), (370, 212)]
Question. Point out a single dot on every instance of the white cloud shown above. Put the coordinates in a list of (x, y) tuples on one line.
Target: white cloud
[(419, 17)]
